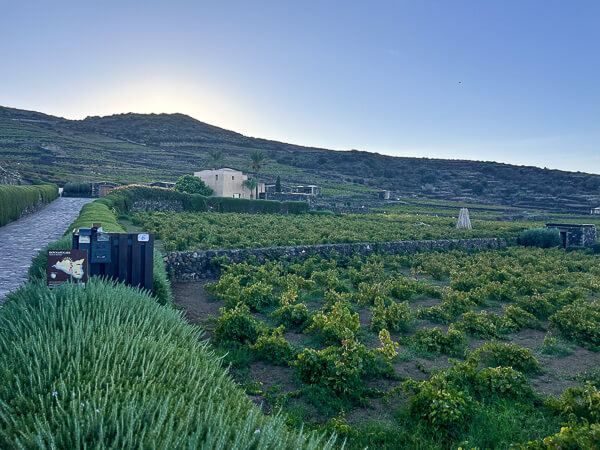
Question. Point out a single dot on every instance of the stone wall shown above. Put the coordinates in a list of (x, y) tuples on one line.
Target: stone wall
[(195, 265), (157, 205)]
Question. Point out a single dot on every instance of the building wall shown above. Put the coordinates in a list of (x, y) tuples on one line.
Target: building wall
[(227, 183)]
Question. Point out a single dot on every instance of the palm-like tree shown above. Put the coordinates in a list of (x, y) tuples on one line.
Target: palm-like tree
[(257, 157), (215, 158), (251, 184)]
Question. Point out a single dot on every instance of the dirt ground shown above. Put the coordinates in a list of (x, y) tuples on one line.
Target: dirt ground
[(558, 372)]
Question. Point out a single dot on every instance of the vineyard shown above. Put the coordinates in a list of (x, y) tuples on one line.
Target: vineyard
[(190, 231), (483, 350)]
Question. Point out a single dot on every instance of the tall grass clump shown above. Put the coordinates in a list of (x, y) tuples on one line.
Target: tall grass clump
[(14, 200), (106, 366)]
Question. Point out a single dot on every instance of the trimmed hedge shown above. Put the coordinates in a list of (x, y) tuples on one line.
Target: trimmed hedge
[(77, 190), (107, 367), (16, 199), (123, 198)]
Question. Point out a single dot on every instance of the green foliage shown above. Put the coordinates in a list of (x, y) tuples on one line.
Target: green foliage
[(292, 316), (394, 317), (569, 438), (206, 230), (433, 340), (109, 367), (540, 237), (14, 200), (507, 355), (580, 322), (337, 324), (504, 382), (189, 184), (274, 348), (580, 403), (339, 369), (237, 327), (440, 407), (278, 184), (77, 189), (96, 211)]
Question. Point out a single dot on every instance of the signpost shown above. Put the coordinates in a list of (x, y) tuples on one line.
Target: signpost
[(66, 266)]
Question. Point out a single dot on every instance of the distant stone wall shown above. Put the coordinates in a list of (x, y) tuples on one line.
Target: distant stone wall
[(195, 265), (157, 205)]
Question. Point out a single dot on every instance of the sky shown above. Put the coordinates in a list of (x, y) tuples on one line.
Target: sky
[(508, 81)]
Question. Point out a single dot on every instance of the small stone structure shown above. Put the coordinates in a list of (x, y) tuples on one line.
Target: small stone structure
[(384, 195), (102, 188), (575, 235), (464, 220), (290, 197), (196, 264)]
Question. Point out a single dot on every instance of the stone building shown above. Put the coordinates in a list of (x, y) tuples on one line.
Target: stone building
[(575, 235), (595, 211), (102, 188), (228, 183)]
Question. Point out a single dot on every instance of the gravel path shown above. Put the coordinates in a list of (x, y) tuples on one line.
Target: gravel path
[(20, 241)]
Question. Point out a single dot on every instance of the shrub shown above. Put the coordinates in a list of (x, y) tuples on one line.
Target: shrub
[(237, 327), (503, 382), (580, 402), (292, 316), (395, 317), (433, 340), (274, 348), (109, 367), (14, 200), (540, 237), (569, 438), (507, 355), (339, 369), (336, 325), (189, 184), (256, 295), (580, 322), (442, 409), (483, 325)]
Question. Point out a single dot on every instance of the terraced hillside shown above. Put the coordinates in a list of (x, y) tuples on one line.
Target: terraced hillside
[(149, 147)]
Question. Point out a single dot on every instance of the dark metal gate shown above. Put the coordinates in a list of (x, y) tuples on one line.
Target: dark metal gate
[(127, 257)]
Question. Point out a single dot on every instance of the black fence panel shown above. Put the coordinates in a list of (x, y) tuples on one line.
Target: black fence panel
[(127, 257)]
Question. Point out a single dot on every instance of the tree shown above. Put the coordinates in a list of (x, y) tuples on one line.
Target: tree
[(251, 184), (278, 184), (257, 157), (215, 158), (192, 185)]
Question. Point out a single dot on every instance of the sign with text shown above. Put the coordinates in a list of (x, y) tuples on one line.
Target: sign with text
[(65, 266)]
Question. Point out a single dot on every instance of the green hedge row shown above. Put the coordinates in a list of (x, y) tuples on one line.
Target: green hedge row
[(122, 199), (16, 199), (77, 190), (107, 367)]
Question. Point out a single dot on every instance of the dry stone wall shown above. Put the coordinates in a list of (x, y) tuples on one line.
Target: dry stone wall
[(196, 265)]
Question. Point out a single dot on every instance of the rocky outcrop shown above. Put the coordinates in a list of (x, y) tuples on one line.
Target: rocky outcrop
[(196, 265)]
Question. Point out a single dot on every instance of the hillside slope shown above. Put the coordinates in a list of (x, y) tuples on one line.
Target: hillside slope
[(150, 147)]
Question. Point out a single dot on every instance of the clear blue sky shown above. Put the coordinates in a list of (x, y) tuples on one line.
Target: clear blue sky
[(510, 81)]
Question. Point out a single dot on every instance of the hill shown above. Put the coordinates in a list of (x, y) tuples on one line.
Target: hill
[(151, 147)]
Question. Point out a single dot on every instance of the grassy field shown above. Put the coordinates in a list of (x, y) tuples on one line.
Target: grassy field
[(188, 231), (480, 350)]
